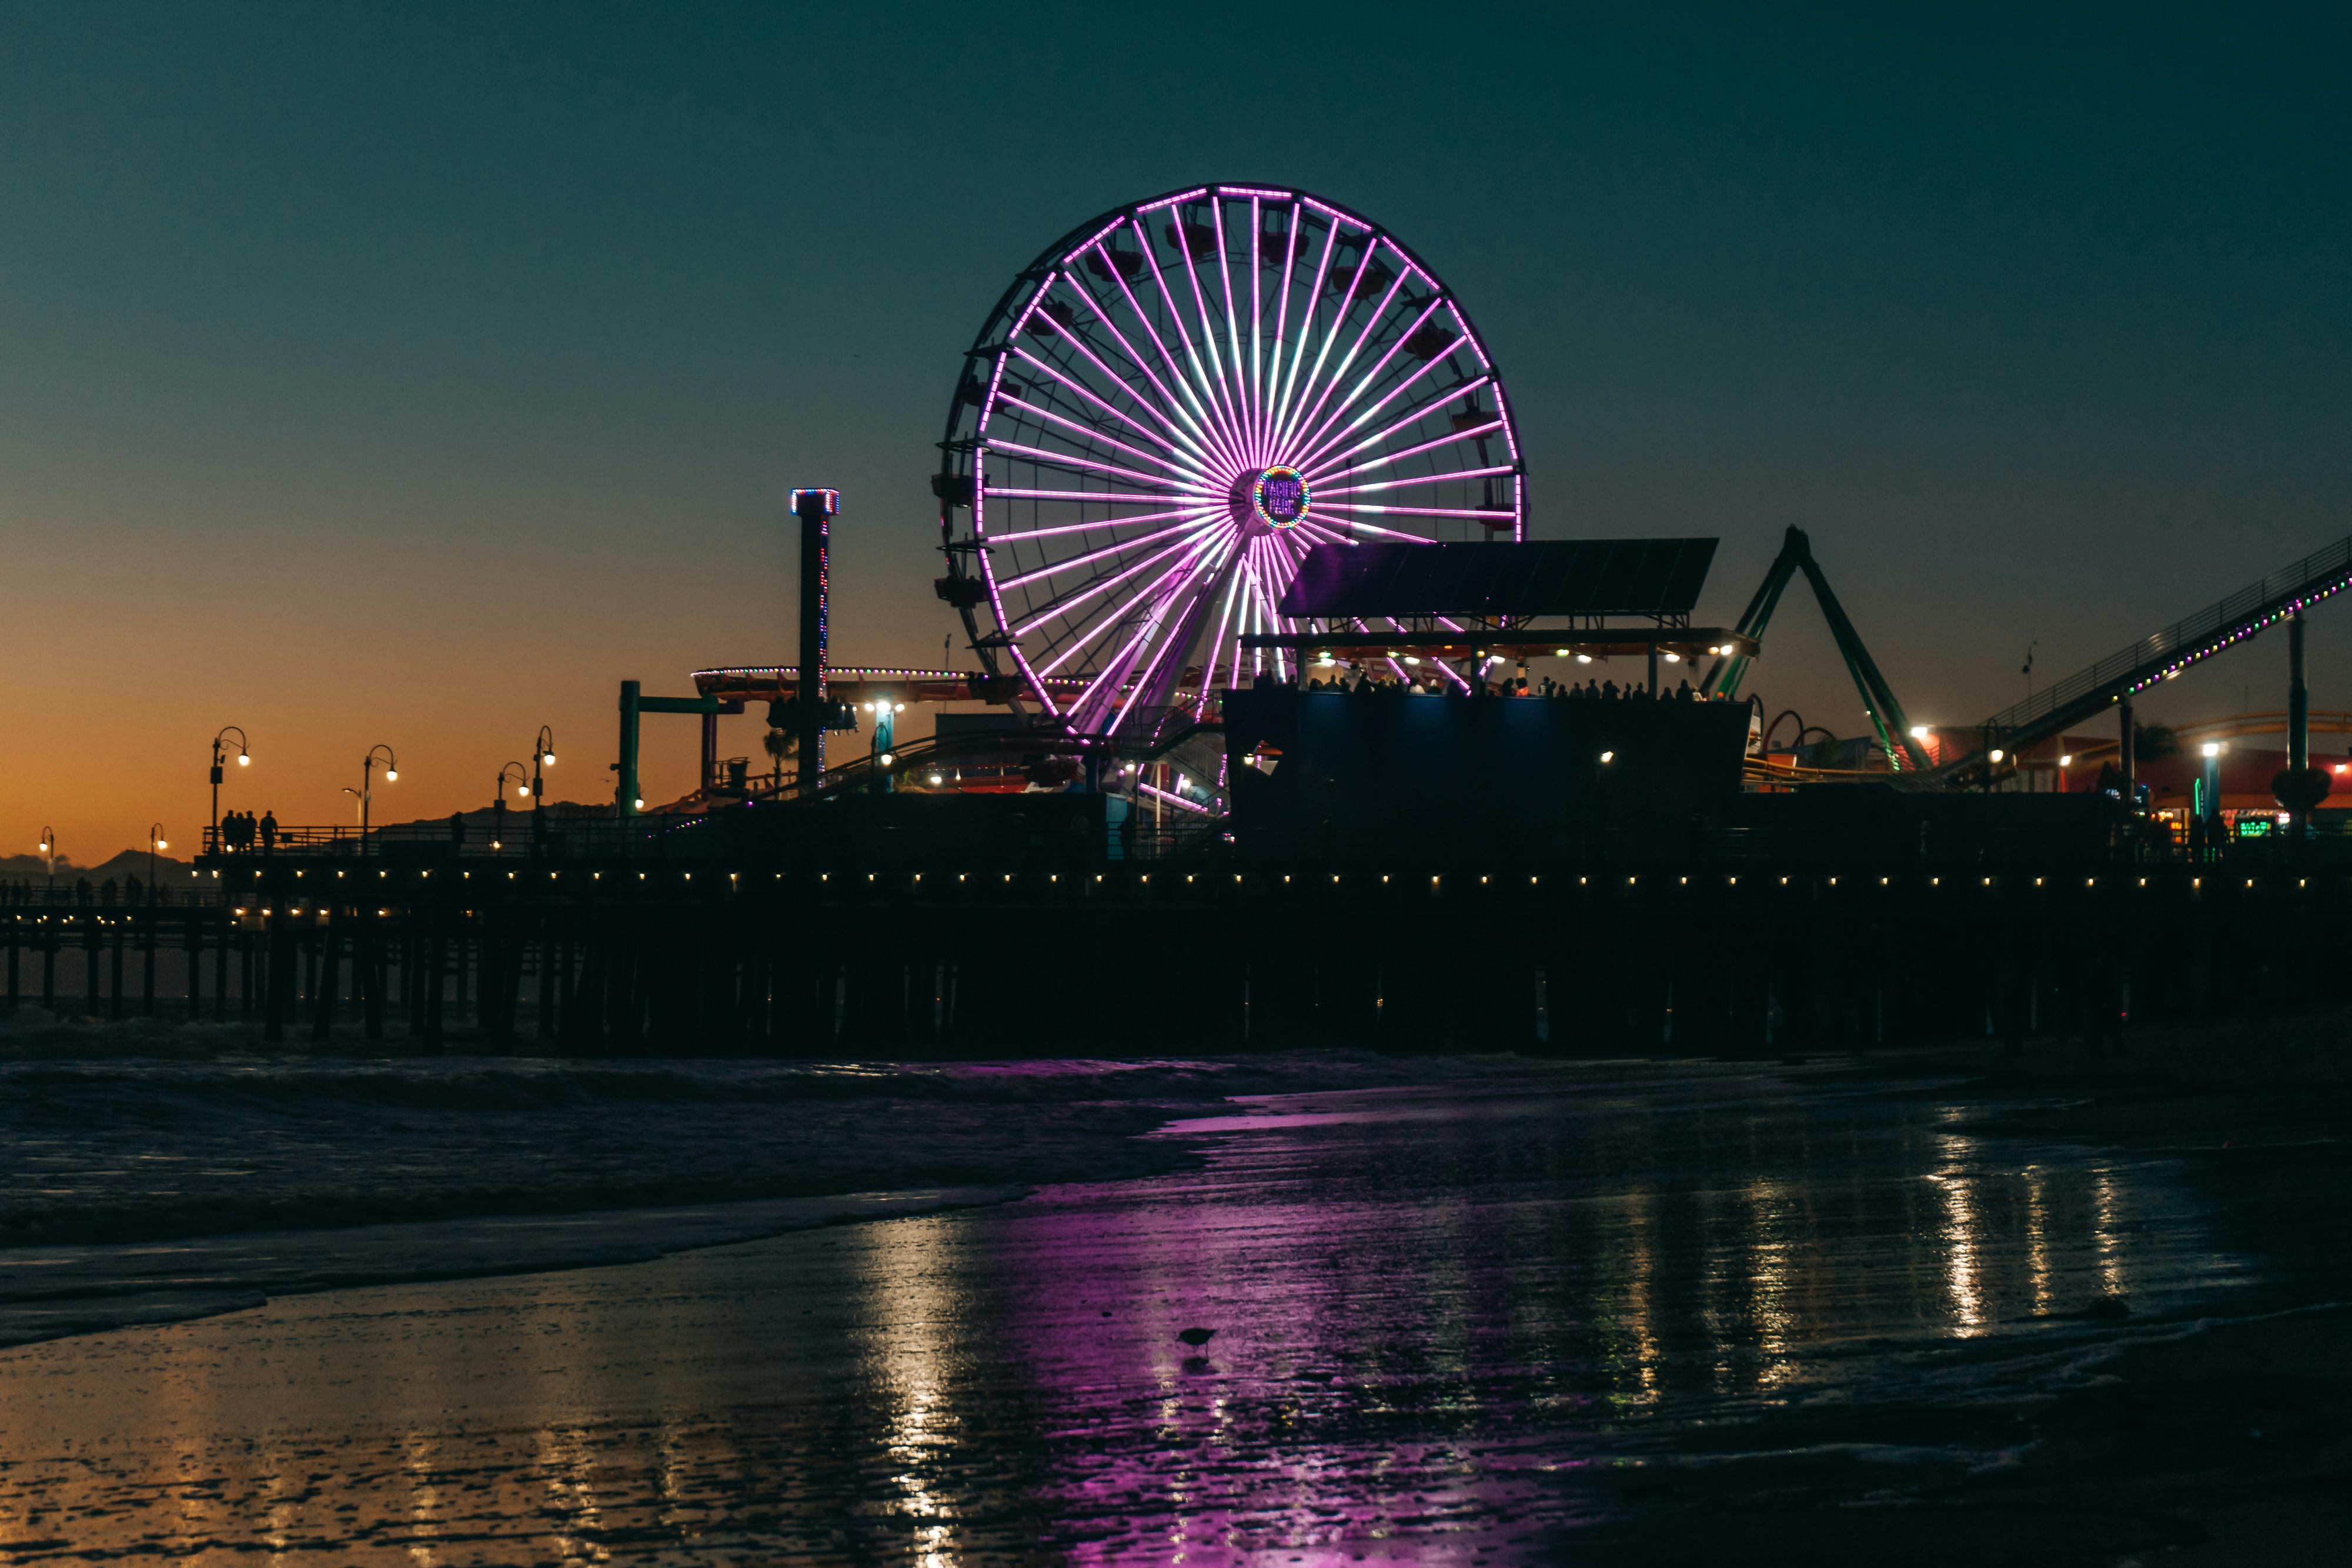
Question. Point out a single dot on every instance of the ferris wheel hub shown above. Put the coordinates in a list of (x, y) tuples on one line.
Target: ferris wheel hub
[(1271, 499)]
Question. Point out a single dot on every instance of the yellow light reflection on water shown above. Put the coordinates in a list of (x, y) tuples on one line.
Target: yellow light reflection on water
[(1962, 1243)]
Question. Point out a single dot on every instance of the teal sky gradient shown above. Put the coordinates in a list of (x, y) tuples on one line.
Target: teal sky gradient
[(415, 373)]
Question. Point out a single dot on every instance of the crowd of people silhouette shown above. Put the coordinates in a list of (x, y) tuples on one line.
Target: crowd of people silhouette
[(240, 832), (1370, 683)]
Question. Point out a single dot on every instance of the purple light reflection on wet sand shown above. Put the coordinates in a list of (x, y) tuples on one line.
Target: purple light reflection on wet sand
[(1449, 1320)]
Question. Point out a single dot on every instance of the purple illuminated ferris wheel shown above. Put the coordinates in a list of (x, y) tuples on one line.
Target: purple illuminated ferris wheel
[(1169, 408)]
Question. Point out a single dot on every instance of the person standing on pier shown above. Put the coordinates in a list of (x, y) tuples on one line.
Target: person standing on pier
[(268, 831)]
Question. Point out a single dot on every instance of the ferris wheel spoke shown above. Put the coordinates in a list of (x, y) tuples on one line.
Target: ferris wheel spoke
[(1339, 372), (1314, 462), (1328, 536), (1188, 370), (1496, 471), (1302, 412), (1281, 330), (1209, 333), (1097, 497), (1373, 377), (1175, 405), (1306, 324), (1099, 523), (1090, 394), (1242, 413), (1202, 414), (1094, 435), (1419, 511), (1088, 593), (1340, 467), (1295, 395), (1175, 620), (1045, 458), (1158, 595), (1117, 547), (1374, 411), (1257, 331), (1204, 388), (1111, 376), (1355, 526), (1217, 645)]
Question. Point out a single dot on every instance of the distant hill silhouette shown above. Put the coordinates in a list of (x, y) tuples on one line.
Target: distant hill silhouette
[(35, 869), (133, 862)]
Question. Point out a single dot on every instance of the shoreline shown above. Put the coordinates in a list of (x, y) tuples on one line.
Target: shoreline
[(352, 1257)]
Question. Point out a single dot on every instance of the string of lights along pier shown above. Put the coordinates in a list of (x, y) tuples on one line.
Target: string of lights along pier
[(1175, 402)]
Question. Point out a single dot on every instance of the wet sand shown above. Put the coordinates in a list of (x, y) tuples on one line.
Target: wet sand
[(1650, 1313)]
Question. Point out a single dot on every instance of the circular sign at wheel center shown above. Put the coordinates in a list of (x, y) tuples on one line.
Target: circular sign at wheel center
[(1279, 497)]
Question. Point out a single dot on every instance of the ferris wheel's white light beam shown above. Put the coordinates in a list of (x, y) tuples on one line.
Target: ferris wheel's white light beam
[(1346, 306), (1258, 329), (1281, 324), (1322, 433), (1406, 483), (1151, 625), (1126, 522), (1307, 330), (1405, 386), (1064, 606), (1046, 457), (1372, 376), (1340, 467), (1207, 545), (1085, 498), (1125, 347), (1314, 461), (1303, 389), (1354, 349), (1375, 409), (1355, 526), (1055, 374), (1230, 412), (1205, 393), (1199, 411), (1189, 468), (1117, 547), (1247, 410), (1379, 511)]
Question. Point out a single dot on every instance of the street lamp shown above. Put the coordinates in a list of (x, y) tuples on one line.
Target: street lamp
[(367, 787), (242, 760), (155, 840), (498, 804), (542, 755), (48, 846)]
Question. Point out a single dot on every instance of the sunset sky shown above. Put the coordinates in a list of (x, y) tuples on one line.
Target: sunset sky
[(413, 375)]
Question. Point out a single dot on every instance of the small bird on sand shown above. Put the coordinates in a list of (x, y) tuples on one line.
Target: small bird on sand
[(1197, 1336)]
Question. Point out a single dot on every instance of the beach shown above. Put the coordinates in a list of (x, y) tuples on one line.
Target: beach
[(1528, 1311)]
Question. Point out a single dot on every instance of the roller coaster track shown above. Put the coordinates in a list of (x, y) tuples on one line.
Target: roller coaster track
[(2158, 657)]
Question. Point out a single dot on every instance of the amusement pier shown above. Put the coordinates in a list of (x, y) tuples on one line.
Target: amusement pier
[(1289, 731)]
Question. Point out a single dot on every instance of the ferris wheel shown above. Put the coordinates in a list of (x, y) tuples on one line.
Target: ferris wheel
[(1169, 408)]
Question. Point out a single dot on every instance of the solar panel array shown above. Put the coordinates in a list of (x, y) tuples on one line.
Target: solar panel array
[(1557, 577)]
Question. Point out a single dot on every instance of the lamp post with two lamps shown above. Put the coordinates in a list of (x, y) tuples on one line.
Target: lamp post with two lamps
[(244, 760), (498, 803), (155, 840), (542, 755), (367, 784), (48, 846)]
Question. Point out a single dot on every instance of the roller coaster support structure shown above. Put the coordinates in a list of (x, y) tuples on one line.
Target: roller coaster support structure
[(1879, 700)]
